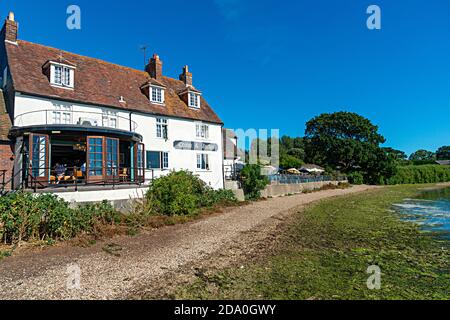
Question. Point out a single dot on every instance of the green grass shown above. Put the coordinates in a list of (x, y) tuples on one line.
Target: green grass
[(326, 252)]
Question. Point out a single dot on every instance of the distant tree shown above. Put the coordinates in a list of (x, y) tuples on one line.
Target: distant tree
[(287, 162), (286, 143), (443, 153), (350, 143), (292, 152), (396, 154), (422, 155), (297, 153), (341, 139), (260, 150)]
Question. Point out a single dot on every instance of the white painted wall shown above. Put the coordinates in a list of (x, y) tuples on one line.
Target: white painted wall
[(184, 130), (179, 129), (101, 195)]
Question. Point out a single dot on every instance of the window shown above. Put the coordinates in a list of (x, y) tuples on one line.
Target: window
[(109, 119), (162, 128), (62, 114), (62, 76), (157, 94), (95, 156), (194, 100), (157, 160), (202, 131), (202, 161)]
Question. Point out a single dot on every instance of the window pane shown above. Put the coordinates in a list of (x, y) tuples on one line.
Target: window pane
[(153, 160), (165, 160), (58, 74)]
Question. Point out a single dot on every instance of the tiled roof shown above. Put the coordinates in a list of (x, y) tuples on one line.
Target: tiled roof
[(5, 121), (98, 82)]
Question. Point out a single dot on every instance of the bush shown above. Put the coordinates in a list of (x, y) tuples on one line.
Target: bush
[(356, 178), (218, 197), (182, 193), (420, 174), (26, 217), (253, 182)]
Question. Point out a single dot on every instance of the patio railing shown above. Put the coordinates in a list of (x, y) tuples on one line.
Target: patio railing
[(74, 177), (75, 118)]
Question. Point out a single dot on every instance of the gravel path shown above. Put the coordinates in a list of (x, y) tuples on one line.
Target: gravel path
[(144, 258)]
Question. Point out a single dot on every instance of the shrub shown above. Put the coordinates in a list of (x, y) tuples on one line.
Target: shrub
[(25, 217), (182, 193), (253, 182), (356, 177), (420, 174), (222, 197), (176, 194)]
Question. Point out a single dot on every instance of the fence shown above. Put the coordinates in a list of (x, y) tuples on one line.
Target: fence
[(297, 179)]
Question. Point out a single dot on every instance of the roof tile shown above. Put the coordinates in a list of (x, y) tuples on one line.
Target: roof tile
[(98, 82)]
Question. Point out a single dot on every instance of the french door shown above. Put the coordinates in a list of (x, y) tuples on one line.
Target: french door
[(139, 162), (102, 159), (95, 159), (112, 159), (39, 157)]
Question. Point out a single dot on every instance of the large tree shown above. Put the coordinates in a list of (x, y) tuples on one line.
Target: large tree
[(348, 142), (443, 153), (422, 155), (396, 154)]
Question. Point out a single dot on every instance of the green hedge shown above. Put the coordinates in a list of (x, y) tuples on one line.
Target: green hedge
[(420, 174)]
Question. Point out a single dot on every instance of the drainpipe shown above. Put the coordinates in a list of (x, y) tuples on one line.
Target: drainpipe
[(131, 129)]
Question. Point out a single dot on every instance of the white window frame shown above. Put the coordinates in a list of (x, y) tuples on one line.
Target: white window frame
[(157, 94), (110, 119), (165, 160), (162, 126), (202, 131), (203, 162), (62, 114), (194, 100), (65, 79)]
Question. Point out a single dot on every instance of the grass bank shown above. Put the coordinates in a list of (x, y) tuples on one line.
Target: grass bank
[(325, 254)]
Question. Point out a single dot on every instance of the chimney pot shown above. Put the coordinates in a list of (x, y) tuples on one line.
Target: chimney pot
[(10, 29), (186, 76), (154, 67)]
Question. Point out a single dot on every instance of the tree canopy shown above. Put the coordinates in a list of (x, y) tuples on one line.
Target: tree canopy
[(348, 142), (396, 154), (422, 155), (443, 153)]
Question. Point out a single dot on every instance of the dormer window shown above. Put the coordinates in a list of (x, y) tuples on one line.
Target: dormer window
[(157, 94), (62, 75), (194, 100)]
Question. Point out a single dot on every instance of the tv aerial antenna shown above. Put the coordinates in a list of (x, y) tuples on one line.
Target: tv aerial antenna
[(144, 49)]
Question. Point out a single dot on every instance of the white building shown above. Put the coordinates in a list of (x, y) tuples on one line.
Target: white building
[(79, 122)]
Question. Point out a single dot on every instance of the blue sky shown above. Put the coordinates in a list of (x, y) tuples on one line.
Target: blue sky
[(276, 64)]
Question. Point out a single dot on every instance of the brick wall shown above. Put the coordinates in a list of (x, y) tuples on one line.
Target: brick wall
[(5, 161)]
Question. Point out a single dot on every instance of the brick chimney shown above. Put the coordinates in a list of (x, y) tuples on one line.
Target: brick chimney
[(10, 29), (154, 67), (186, 76)]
